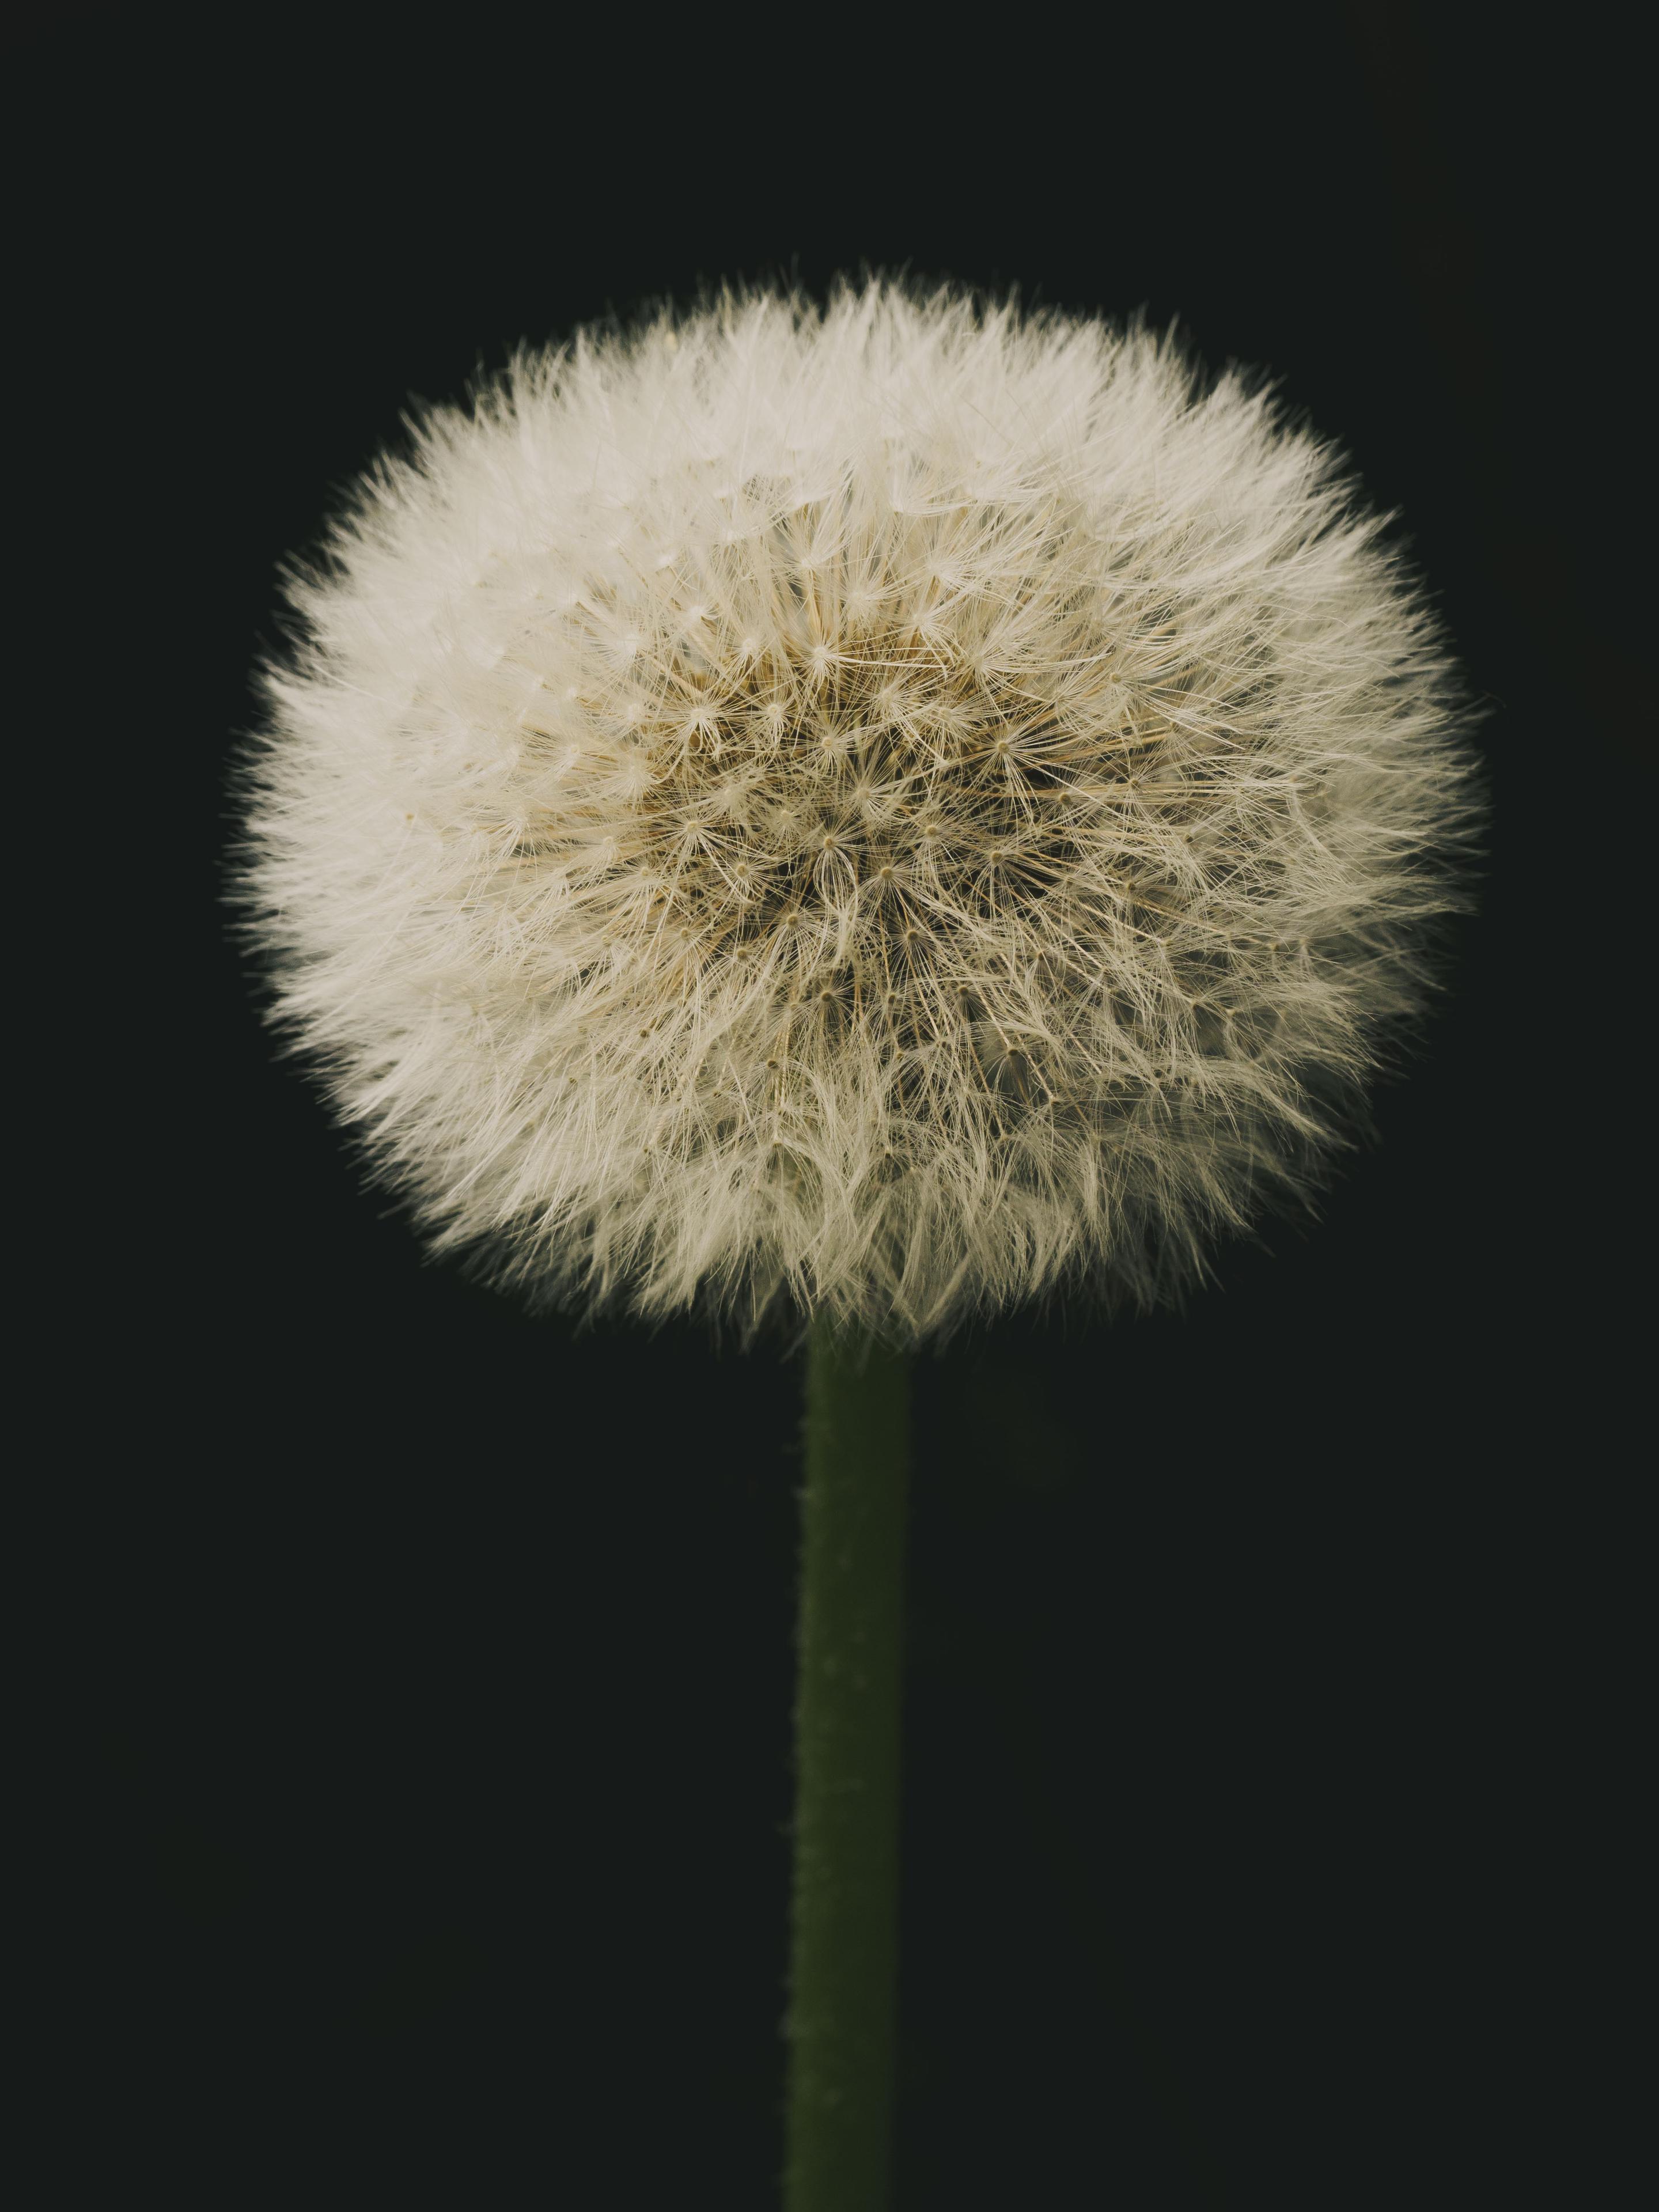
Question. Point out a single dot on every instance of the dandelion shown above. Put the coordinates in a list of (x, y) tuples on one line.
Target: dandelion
[(865, 814)]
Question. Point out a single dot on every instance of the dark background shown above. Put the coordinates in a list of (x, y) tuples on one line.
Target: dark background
[(1268, 1771)]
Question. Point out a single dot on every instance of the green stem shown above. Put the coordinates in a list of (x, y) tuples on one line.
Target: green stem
[(843, 1967)]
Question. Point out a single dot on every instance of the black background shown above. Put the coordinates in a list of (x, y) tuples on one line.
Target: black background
[(1267, 1771)]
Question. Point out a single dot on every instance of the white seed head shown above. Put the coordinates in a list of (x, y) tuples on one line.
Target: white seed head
[(869, 810)]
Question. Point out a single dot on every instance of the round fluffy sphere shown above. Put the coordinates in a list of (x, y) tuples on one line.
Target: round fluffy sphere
[(865, 811)]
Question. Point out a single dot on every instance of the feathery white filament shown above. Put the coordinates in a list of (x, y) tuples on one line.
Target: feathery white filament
[(876, 809)]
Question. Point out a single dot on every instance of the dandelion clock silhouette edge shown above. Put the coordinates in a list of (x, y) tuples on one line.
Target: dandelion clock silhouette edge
[(861, 812)]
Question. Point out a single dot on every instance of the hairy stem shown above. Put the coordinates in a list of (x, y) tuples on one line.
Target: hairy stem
[(843, 1974)]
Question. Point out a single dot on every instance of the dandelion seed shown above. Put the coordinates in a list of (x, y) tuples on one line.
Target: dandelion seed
[(1170, 623)]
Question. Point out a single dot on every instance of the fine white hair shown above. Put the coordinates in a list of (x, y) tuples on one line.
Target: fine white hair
[(871, 811)]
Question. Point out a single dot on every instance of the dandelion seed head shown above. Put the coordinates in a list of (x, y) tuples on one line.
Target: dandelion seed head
[(922, 801)]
